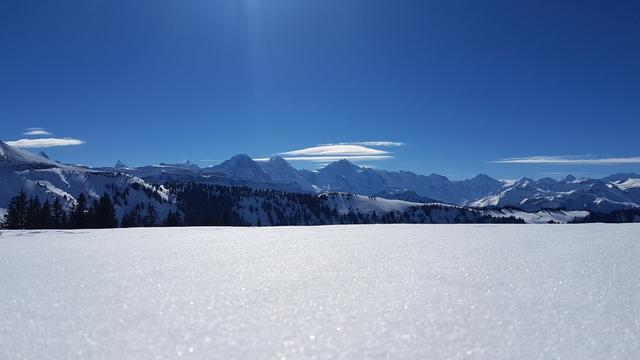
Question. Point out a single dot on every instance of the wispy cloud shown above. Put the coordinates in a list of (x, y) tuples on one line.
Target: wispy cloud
[(36, 131), (327, 159), (44, 142), (352, 151), (570, 160), (336, 150), (372, 143)]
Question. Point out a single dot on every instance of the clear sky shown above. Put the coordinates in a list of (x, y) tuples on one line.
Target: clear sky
[(460, 84)]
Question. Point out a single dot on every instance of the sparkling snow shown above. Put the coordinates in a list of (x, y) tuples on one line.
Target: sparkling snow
[(372, 291)]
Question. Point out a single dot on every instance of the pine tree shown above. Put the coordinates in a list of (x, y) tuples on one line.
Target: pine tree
[(58, 215), (172, 219), (151, 218), (136, 215), (45, 216), (125, 221), (104, 213), (33, 214), (16, 217), (79, 216)]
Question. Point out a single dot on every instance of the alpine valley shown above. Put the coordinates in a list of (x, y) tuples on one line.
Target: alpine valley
[(241, 191)]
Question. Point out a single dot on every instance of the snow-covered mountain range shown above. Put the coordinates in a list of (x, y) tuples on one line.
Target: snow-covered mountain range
[(339, 176), (41, 176), (620, 191), (612, 193)]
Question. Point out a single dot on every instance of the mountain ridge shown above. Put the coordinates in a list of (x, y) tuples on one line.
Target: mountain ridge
[(614, 192)]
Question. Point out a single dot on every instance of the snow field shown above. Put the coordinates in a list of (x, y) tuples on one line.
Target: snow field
[(369, 291)]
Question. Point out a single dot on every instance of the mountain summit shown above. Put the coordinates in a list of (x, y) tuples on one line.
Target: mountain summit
[(241, 167), (119, 165), (16, 157)]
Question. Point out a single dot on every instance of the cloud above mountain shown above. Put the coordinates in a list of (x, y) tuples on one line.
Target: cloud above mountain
[(44, 142), (372, 143), (354, 151), (36, 131), (324, 159), (335, 150), (570, 160)]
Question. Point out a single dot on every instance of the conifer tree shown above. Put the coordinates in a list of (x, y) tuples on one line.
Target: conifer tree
[(58, 215), (16, 217), (172, 219), (104, 213), (45, 221), (33, 213), (125, 221), (79, 216), (151, 218)]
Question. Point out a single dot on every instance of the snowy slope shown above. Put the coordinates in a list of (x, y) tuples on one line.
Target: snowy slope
[(542, 216), (18, 158), (381, 291), (39, 176), (569, 193), (281, 172), (345, 203), (240, 167), (627, 184)]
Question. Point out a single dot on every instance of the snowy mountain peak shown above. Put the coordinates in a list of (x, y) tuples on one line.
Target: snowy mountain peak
[(341, 165), (13, 156), (183, 165), (119, 165), (482, 177), (241, 158), (278, 163), (569, 178), (278, 160), (241, 167), (484, 180), (44, 155), (620, 177), (547, 180), (524, 181)]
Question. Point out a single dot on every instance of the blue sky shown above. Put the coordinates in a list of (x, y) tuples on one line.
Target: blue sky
[(449, 87)]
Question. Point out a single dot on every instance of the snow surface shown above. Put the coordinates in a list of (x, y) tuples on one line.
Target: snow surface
[(348, 202), (628, 184), (542, 216), (372, 291)]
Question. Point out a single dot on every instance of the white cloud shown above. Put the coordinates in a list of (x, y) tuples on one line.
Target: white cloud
[(44, 142), (372, 143), (335, 150), (327, 159), (36, 131), (353, 151), (570, 160)]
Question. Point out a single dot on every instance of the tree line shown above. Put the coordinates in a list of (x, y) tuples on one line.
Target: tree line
[(215, 205), (31, 213)]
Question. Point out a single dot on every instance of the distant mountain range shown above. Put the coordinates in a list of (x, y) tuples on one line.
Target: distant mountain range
[(39, 175), (615, 192)]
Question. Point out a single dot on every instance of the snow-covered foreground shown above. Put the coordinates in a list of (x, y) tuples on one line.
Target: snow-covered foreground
[(373, 291)]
